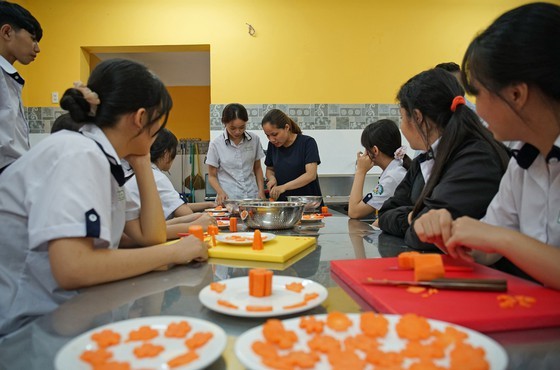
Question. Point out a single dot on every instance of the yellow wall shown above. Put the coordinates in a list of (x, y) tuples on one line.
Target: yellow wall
[(305, 51), (189, 117)]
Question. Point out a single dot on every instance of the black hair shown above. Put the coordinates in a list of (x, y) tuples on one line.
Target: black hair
[(20, 18), (65, 122), (234, 111), (123, 86), (449, 67), (522, 45), (166, 141), (279, 119), (432, 92), (385, 135)]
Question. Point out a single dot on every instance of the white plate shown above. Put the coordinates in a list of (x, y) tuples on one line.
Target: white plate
[(237, 293), (495, 353), (223, 224), (224, 238), (214, 210), (68, 357)]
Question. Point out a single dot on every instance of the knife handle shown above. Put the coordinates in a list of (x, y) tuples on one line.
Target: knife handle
[(490, 285)]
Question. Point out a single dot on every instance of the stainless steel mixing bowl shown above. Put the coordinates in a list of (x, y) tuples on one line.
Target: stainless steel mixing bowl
[(271, 215), (311, 202), (232, 205)]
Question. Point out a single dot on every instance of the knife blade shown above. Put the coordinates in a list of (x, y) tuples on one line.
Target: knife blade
[(491, 285)]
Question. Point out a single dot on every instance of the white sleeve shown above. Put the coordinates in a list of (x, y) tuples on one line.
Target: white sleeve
[(503, 210), (170, 199), (132, 199), (213, 157), (77, 184)]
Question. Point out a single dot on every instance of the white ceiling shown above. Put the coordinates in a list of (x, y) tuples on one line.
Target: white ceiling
[(189, 68)]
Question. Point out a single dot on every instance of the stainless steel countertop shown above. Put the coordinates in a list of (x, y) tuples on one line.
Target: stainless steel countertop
[(175, 292)]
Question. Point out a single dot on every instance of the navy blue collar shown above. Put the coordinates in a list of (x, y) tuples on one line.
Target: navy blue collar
[(528, 153)]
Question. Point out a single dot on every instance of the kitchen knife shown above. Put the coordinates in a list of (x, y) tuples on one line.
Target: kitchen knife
[(492, 285)]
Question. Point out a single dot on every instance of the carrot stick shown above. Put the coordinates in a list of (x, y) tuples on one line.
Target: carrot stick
[(197, 231), (257, 240), (233, 224), (428, 266)]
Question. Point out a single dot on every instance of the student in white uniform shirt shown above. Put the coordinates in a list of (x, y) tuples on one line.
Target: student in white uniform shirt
[(20, 34), (234, 159), (63, 206), (179, 215), (382, 143), (512, 69)]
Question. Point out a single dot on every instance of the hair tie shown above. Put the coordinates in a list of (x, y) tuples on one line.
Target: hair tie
[(91, 97), (458, 100), (400, 153)]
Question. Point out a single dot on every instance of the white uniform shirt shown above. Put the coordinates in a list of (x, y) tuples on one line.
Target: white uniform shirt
[(529, 200), (62, 188), (235, 164), (14, 129), (170, 199), (390, 178)]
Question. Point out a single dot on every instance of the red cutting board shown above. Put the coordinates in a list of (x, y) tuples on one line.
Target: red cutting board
[(473, 309), (280, 249)]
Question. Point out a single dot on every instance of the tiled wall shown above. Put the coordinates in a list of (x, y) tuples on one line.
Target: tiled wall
[(41, 118), (315, 116)]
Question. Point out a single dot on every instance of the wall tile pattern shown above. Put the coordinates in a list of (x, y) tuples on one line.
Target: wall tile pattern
[(307, 116)]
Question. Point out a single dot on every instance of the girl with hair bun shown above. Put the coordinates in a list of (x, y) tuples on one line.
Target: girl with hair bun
[(512, 69), (291, 158), (382, 143), (63, 203), (461, 166)]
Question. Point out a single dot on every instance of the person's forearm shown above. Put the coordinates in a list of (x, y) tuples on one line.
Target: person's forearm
[(300, 181), (356, 194), (540, 260), (95, 266)]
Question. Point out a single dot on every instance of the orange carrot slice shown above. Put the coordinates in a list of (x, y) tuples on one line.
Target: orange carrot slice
[(227, 304), (428, 266), (96, 357), (311, 325), (310, 296), (324, 343), (338, 321), (361, 342), (143, 333), (182, 359), (113, 365), (345, 360), (198, 340), (106, 338), (415, 289), (254, 308), (413, 327), (264, 349), (177, 329), (147, 350), (295, 287), (374, 325), (217, 287), (405, 260), (465, 356), (295, 305)]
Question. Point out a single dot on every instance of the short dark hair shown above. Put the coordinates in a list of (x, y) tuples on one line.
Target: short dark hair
[(279, 119), (234, 111), (385, 135), (449, 67), (522, 45), (65, 122), (20, 18), (123, 86), (166, 141)]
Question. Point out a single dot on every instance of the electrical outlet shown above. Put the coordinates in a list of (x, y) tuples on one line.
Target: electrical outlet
[(54, 97)]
